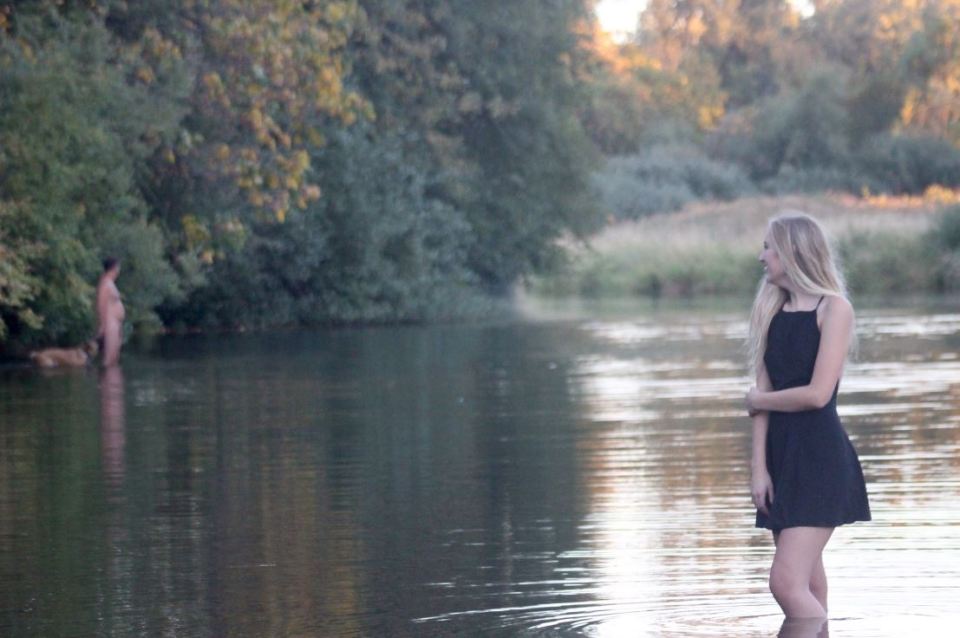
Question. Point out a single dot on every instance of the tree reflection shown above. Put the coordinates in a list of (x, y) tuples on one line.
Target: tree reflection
[(354, 482)]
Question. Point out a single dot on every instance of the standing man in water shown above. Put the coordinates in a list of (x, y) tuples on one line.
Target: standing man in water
[(110, 313)]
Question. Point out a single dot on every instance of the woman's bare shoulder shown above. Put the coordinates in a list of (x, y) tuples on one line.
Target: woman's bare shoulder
[(838, 304), (835, 308)]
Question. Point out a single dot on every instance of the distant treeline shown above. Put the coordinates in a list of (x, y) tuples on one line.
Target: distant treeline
[(717, 99), (258, 163)]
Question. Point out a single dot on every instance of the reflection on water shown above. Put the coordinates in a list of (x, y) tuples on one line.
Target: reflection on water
[(574, 474), (804, 628), (112, 428)]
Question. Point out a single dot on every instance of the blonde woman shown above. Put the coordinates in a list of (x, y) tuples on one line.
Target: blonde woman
[(806, 477)]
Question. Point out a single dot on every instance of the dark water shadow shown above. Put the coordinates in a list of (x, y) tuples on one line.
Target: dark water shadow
[(804, 628)]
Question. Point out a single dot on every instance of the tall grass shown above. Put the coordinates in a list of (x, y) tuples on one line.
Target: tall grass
[(885, 244)]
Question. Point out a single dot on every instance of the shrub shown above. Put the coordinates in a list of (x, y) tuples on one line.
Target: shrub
[(377, 248), (819, 179), (883, 262), (946, 232), (625, 196), (945, 235), (909, 163), (77, 131), (665, 178)]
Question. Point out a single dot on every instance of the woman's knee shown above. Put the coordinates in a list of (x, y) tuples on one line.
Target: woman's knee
[(783, 581)]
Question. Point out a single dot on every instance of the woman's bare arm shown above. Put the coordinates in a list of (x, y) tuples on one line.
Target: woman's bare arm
[(835, 334), (761, 487)]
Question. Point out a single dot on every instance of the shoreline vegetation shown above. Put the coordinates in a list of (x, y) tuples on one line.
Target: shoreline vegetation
[(886, 244), (262, 165)]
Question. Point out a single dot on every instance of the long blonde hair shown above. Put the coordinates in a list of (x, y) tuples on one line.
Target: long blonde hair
[(809, 264)]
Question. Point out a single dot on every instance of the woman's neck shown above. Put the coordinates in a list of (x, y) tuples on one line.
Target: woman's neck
[(801, 300)]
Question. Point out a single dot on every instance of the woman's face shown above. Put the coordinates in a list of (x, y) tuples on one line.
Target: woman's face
[(772, 267)]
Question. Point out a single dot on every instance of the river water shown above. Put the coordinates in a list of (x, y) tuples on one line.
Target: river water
[(573, 471)]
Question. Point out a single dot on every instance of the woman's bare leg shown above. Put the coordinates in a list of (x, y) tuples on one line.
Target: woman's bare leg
[(795, 565), (818, 583)]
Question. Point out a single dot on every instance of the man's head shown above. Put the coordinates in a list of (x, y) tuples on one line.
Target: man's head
[(111, 265)]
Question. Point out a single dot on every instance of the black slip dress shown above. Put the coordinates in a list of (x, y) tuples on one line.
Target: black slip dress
[(817, 478)]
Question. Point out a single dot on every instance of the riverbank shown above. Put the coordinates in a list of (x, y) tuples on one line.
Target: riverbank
[(887, 244)]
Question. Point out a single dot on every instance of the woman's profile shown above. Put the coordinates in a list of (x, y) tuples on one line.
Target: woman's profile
[(806, 477)]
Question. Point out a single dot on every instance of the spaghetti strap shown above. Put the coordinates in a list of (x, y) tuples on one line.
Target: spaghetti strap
[(818, 303)]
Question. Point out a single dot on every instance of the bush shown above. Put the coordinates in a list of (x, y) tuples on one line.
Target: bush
[(945, 235), (18, 287), (909, 163), (946, 232), (881, 262), (76, 130), (376, 248), (665, 178), (626, 196), (818, 180)]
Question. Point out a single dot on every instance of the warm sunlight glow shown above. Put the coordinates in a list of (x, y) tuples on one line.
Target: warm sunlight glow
[(619, 17)]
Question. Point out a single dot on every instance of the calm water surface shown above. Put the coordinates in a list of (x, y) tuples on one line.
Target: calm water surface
[(578, 471)]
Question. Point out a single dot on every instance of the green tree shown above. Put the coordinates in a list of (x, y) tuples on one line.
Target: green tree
[(285, 161), (77, 119), (930, 66), (375, 248), (270, 79), (521, 131), (748, 42)]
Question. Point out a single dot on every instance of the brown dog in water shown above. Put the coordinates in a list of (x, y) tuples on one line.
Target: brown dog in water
[(65, 357)]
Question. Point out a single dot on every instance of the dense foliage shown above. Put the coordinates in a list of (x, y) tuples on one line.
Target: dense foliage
[(274, 162), (270, 162), (860, 96)]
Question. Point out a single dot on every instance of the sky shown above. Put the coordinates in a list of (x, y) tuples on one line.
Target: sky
[(619, 17)]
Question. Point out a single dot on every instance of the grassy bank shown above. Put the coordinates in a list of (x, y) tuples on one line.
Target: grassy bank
[(886, 245)]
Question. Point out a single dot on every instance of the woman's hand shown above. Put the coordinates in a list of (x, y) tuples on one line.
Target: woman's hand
[(761, 490), (750, 399)]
